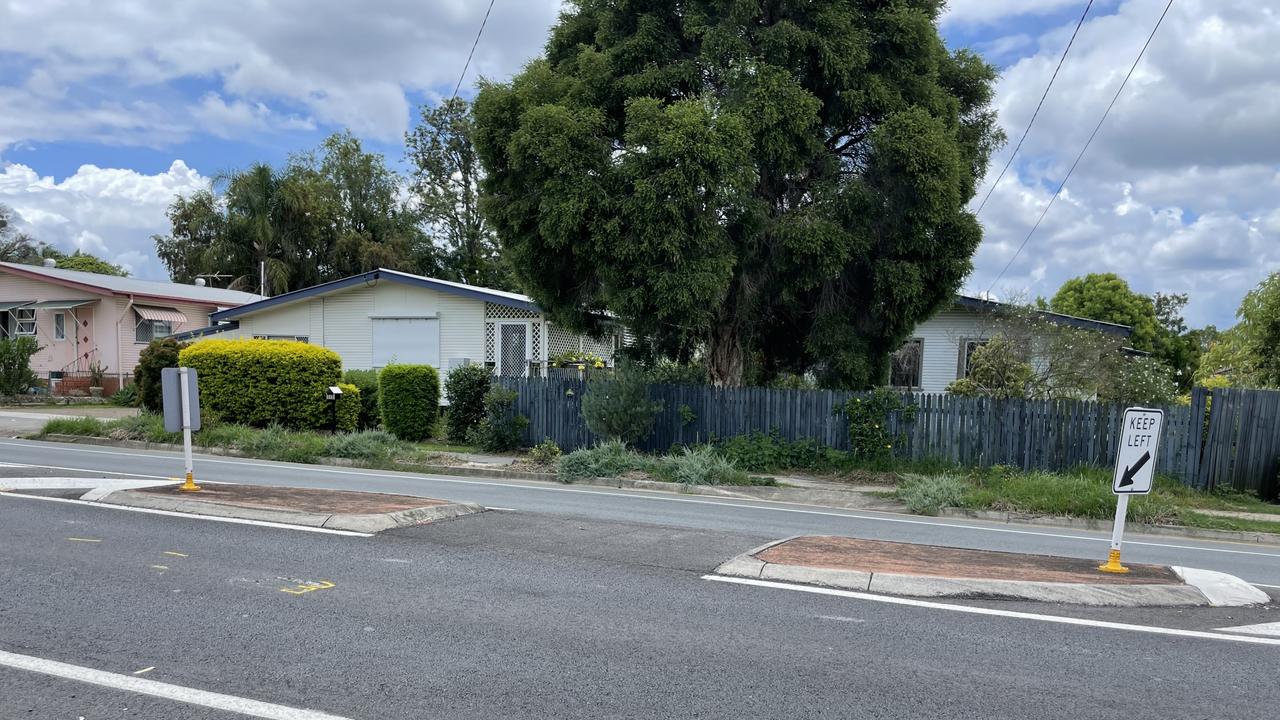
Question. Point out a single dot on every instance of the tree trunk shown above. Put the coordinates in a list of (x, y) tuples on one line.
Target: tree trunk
[(725, 357)]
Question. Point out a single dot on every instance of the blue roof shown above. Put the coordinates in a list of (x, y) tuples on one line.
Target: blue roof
[(205, 331), (371, 278), (973, 303)]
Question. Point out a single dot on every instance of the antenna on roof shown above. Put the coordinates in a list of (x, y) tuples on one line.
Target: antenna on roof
[(202, 279)]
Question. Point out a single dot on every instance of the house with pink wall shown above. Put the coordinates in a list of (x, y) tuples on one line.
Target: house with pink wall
[(82, 320)]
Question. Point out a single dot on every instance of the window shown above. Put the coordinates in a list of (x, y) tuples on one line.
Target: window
[(59, 326), (906, 364), (967, 346), (148, 330), (295, 338), (24, 321)]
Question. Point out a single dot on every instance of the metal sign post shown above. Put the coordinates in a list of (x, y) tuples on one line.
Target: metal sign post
[(1135, 471), (181, 392)]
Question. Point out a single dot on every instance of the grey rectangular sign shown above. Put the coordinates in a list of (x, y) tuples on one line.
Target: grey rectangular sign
[(171, 388)]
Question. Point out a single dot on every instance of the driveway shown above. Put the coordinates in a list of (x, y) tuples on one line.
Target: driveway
[(19, 420)]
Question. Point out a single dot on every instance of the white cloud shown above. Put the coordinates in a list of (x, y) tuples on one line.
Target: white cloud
[(231, 119), (986, 11), (1178, 193), (111, 213)]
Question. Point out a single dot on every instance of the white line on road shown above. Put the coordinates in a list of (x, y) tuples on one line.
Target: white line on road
[(767, 505), (193, 516), (190, 696), (931, 605)]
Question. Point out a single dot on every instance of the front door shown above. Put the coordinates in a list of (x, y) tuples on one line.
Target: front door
[(513, 349)]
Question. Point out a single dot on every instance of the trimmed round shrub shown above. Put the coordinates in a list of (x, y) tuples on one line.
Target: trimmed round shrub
[(348, 410), (265, 382), (158, 355), (466, 387), (367, 381), (409, 400)]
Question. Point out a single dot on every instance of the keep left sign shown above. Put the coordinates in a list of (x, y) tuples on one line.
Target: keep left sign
[(1136, 458)]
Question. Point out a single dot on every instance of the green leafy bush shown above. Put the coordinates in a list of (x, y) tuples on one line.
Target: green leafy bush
[(409, 400), (502, 426), (126, 396), (618, 407), (367, 381), (703, 466), (347, 411), (156, 356), (373, 446), (91, 427), (666, 372), (465, 387), (758, 452), (546, 452), (607, 460), (265, 382), (869, 416), (928, 495), (16, 376)]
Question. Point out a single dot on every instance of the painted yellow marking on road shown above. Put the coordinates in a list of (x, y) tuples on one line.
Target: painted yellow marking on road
[(308, 586), (144, 670), (159, 567), (78, 539), (175, 554)]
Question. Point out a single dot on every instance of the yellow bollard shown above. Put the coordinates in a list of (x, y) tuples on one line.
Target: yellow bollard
[(189, 485), (1112, 565)]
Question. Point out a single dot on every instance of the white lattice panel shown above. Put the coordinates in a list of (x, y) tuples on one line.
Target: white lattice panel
[(494, 311), (490, 330), (560, 340)]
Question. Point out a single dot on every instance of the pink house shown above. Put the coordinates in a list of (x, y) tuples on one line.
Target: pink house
[(82, 320)]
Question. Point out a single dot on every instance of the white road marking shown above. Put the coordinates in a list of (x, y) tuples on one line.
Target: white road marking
[(194, 516), (1265, 585), (641, 495), (1271, 628), (144, 670), (932, 605), (501, 509), (167, 691)]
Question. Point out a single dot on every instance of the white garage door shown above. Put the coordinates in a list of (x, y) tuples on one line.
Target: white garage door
[(412, 341)]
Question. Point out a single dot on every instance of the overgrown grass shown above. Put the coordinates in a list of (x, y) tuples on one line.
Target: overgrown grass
[(371, 446), (692, 466), (74, 426), (926, 495)]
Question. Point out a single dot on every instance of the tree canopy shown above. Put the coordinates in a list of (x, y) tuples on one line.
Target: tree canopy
[(778, 181), (1107, 297), (84, 262), (1249, 354), (15, 245)]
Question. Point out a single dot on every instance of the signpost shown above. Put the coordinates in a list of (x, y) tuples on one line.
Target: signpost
[(1135, 471), (181, 395)]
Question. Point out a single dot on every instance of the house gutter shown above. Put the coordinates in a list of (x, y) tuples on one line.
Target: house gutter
[(119, 345)]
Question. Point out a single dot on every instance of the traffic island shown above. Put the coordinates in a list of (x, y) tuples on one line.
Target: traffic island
[(365, 512), (893, 568)]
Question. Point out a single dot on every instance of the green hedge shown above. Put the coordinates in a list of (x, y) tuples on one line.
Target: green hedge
[(409, 400), (348, 410), (367, 381), (157, 356), (466, 387), (265, 382)]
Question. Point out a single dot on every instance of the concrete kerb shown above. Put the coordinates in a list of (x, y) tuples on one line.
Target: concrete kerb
[(1202, 588), (797, 496), (370, 523)]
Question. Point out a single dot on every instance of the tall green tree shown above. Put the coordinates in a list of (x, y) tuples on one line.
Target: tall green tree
[(15, 245), (774, 179), (446, 182), (84, 262), (1107, 297), (1259, 330)]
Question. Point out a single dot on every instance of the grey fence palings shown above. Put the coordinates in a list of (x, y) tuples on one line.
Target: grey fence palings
[(1224, 438)]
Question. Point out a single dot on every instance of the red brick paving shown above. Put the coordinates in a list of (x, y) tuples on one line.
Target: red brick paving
[(843, 553), (336, 502)]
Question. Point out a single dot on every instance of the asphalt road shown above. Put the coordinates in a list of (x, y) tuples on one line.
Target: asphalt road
[(536, 615), (1253, 562)]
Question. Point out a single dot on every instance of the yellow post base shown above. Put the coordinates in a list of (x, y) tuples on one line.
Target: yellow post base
[(1112, 565), (189, 485)]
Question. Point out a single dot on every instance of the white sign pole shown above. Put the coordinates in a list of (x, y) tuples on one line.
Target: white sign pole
[(184, 375), (1117, 536), (1135, 471)]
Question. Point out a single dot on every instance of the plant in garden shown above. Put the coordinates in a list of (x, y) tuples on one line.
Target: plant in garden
[(572, 358), (347, 409), (409, 400), (126, 396), (703, 466), (686, 415), (606, 460), (927, 495), (375, 446), (97, 373), (546, 452), (265, 382), (618, 407), (502, 426), (156, 356), (869, 416), (16, 376), (760, 452), (787, 180), (465, 387), (998, 369), (1142, 381), (367, 382)]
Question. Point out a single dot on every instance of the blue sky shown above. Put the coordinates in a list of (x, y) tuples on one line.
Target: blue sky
[(107, 110)]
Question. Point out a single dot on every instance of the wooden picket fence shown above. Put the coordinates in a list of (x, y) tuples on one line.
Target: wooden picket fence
[(1228, 438)]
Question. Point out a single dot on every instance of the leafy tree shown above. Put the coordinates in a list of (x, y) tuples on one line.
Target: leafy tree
[(788, 178), (446, 179), (1258, 334), (1107, 297), (16, 375), (998, 369), (84, 262), (618, 408), (1176, 346), (155, 357), (15, 246)]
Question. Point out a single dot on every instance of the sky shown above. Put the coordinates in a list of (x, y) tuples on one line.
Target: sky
[(110, 109)]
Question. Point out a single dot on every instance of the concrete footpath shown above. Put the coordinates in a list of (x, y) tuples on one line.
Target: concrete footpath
[(894, 568)]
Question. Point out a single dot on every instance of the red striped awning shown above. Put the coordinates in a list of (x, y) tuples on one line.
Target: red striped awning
[(160, 314)]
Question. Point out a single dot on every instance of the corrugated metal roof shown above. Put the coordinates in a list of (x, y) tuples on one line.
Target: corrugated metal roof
[(133, 286)]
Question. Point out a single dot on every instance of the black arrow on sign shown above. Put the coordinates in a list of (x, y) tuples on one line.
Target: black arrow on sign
[(1127, 478)]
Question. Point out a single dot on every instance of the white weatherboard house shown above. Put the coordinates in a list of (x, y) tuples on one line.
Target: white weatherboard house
[(82, 320), (938, 351), (386, 316)]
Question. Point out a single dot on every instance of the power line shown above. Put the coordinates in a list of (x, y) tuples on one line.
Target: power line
[(1087, 143), (1044, 95), (466, 65)]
